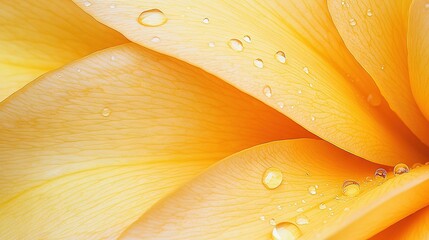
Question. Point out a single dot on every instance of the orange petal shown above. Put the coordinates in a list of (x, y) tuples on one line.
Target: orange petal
[(413, 227), (88, 148), (418, 53), (232, 195), (312, 85), (376, 34), (41, 35)]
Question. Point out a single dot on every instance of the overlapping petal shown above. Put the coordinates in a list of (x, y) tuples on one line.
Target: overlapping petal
[(418, 53), (376, 34), (232, 195), (312, 87), (41, 35), (86, 149)]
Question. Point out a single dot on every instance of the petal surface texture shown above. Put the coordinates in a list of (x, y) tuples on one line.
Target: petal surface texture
[(41, 35), (334, 99), (418, 53), (413, 227), (84, 155), (376, 34), (240, 207)]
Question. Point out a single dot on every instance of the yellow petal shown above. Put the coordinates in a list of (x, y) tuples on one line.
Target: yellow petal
[(239, 207), (376, 34), (41, 35), (83, 155), (413, 227), (418, 53), (312, 84)]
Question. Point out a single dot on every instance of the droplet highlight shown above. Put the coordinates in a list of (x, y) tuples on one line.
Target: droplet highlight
[(286, 231), (236, 45), (258, 63), (400, 169), (272, 178), (152, 18), (351, 188), (280, 56)]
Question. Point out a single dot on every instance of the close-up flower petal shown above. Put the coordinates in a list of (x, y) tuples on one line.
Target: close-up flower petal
[(37, 36)]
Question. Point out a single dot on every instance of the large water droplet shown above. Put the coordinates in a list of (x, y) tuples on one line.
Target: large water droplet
[(400, 169), (302, 219), (286, 231), (258, 63), (280, 56), (380, 175), (312, 190), (272, 178), (351, 188), (247, 39), (267, 91), (236, 45), (152, 18)]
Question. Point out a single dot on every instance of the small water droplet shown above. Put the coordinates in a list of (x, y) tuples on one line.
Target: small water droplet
[(313, 118), (369, 13), (322, 206), (272, 222), (113, 58), (352, 22), (281, 105), (113, 6), (299, 91), (236, 45), (87, 3), (106, 112), (267, 91), (302, 219), (400, 169), (79, 70), (380, 175), (286, 231), (351, 188), (382, 67), (330, 209), (262, 217), (279, 207), (281, 56), (247, 39), (417, 165), (427, 5), (300, 210), (346, 209), (303, 201), (155, 40), (306, 70), (258, 63), (272, 178), (312, 190), (212, 44), (152, 18), (374, 100), (206, 20)]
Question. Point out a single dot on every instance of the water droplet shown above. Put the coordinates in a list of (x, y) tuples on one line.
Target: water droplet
[(346, 209), (272, 178), (380, 175), (374, 100), (236, 45), (300, 210), (382, 67), (352, 22), (303, 201), (87, 3), (302, 219), (113, 58), (258, 63), (106, 112), (152, 18), (279, 207), (369, 13), (247, 38), (267, 91), (351, 188), (262, 217), (322, 206), (212, 44), (280, 56), (312, 190), (79, 70), (417, 165), (272, 221), (286, 231), (313, 118), (400, 169), (206, 20), (281, 105), (155, 40), (299, 91), (305, 69), (113, 6)]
